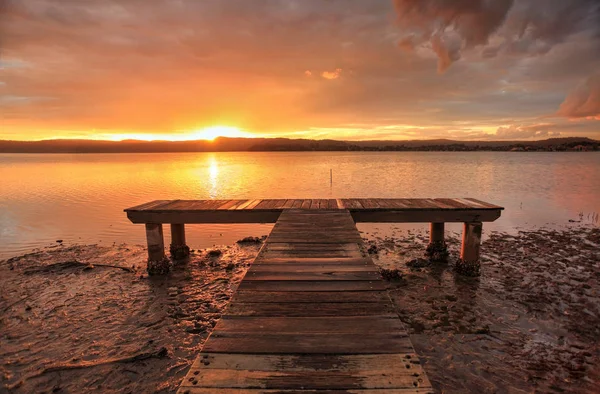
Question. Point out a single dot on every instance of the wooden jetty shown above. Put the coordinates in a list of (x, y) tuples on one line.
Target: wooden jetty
[(312, 313)]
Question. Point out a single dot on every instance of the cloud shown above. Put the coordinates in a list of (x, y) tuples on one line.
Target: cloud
[(335, 74), (584, 100), (513, 27), (518, 132), (472, 21)]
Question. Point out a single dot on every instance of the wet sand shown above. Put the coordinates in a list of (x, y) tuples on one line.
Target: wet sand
[(88, 318)]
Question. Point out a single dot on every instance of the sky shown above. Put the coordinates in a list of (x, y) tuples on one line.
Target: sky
[(340, 69)]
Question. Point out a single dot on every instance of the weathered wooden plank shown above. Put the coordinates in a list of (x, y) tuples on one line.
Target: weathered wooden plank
[(264, 259), (327, 380), (204, 216), (288, 204), (311, 296), (307, 362), (313, 268), (328, 285), (352, 203), (307, 309), (310, 253), (297, 204), (425, 216), (228, 204), (384, 343), (306, 204), (199, 390), (239, 203), (302, 238), (350, 247), (365, 325), (254, 204), (485, 204), (326, 275)]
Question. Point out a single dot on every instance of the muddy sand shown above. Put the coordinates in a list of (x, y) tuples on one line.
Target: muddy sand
[(89, 319)]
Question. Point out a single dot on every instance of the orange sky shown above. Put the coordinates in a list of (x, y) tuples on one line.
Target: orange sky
[(305, 69)]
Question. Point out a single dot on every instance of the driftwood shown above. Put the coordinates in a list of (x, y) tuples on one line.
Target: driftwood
[(72, 264), (160, 353)]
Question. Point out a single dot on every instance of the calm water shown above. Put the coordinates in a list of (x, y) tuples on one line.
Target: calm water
[(80, 198)]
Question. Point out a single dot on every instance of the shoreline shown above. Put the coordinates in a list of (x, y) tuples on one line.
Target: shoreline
[(88, 318)]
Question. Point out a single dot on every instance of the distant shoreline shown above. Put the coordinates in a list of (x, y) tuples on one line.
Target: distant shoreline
[(222, 144)]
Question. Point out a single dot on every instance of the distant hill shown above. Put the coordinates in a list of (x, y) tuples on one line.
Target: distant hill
[(223, 144)]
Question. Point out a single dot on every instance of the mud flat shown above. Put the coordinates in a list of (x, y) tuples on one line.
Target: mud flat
[(89, 319), (531, 322)]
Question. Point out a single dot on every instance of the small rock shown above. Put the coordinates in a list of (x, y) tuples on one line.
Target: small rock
[(418, 263), (250, 240), (214, 253), (373, 249), (390, 274)]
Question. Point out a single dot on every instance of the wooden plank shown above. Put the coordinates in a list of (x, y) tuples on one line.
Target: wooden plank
[(206, 216), (307, 309), (326, 380), (485, 204), (368, 203), (384, 343), (288, 204), (328, 285), (313, 268), (239, 203), (214, 390), (425, 216), (311, 296), (228, 204), (263, 259), (304, 363), (365, 325), (350, 203), (306, 204), (254, 204), (350, 247), (297, 204), (326, 275)]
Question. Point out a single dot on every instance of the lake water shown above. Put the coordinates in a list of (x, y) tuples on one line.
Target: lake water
[(80, 198)]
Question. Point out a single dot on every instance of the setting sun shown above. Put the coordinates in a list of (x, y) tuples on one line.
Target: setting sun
[(206, 133), (210, 133)]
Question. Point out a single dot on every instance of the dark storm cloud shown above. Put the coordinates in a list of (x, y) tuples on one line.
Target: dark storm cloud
[(472, 21)]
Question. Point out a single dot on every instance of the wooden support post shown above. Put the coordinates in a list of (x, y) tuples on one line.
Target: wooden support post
[(179, 250), (469, 251), (157, 262), (437, 249)]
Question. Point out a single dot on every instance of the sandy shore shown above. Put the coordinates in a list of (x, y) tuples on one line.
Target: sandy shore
[(88, 318)]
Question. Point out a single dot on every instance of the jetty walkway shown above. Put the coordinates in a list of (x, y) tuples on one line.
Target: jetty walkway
[(312, 313)]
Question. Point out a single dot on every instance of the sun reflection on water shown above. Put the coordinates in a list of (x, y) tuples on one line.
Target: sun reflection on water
[(213, 176)]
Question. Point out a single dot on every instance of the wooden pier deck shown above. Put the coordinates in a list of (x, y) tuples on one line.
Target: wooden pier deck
[(311, 315)]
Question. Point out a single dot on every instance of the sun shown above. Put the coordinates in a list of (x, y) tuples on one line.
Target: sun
[(212, 132)]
